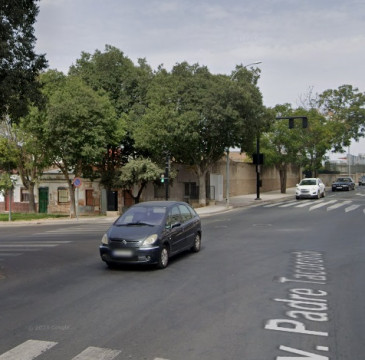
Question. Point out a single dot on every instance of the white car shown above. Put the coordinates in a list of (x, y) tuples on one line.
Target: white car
[(310, 188)]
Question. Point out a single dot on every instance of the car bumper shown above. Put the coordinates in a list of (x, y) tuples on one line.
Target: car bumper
[(135, 256), (340, 188), (306, 196)]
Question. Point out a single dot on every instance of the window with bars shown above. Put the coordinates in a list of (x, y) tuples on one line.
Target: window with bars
[(24, 195), (63, 195)]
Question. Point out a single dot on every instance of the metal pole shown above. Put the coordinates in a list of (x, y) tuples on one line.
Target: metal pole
[(258, 167), (10, 195), (166, 177), (227, 179)]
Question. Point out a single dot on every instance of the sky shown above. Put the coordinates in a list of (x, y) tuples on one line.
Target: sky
[(305, 46)]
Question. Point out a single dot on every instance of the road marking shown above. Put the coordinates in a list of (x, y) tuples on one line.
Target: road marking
[(336, 206), (351, 208), (289, 204), (307, 203), (27, 245), (29, 350), (322, 204), (275, 204), (94, 353)]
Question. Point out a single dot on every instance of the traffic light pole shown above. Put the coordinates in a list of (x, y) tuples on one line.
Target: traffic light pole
[(166, 177), (258, 167)]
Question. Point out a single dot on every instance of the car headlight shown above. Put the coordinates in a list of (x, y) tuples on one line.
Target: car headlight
[(105, 239), (150, 240)]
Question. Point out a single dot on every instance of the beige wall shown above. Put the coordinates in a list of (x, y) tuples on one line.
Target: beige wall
[(243, 177)]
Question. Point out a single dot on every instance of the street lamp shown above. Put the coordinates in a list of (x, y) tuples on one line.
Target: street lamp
[(227, 160)]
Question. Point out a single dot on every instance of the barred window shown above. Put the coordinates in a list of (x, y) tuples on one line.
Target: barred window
[(63, 195), (24, 195)]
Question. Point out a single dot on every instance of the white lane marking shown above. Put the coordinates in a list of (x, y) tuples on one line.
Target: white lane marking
[(275, 204), (94, 353), (336, 206), (306, 203), (29, 350), (18, 249), (322, 204), (289, 204), (351, 208), (26, 245)]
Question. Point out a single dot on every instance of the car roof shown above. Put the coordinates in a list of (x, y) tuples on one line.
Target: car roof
[(166, 203)]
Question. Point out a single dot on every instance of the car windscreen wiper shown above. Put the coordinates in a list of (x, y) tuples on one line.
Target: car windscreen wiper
[(135, 223)]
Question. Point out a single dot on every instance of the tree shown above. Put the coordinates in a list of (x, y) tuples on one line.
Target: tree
[(195, 116), (138, 173), (19, 65), (281, 145), (315, 141), (126, 85), (345, 107), (32, 155), (78, 124)]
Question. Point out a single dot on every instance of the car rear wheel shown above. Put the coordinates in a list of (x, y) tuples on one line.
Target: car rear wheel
[(197, 244), (163, 260)]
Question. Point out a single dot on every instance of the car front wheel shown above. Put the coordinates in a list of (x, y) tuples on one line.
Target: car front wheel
[(197, 244), (163, 260)]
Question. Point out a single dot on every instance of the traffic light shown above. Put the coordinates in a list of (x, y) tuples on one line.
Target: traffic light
[(291, 123), (305, 122), (162, 178)]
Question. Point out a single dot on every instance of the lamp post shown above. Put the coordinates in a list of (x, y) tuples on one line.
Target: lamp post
[(227, 159)]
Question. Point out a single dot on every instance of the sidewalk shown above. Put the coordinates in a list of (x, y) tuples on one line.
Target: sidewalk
[(247, 200), (234, 202)]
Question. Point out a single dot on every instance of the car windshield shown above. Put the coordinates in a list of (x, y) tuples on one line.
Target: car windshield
[(308, 182), (343, 180), (142, 215)]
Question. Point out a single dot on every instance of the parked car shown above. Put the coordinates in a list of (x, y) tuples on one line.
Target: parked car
[(362, 181), (310, 188), (343, 183), (150, 233)]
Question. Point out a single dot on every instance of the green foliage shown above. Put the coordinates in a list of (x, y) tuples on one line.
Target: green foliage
[(5, 182), (138, 172), (345, 108), (8, 154), (79, 124), (19, 63)]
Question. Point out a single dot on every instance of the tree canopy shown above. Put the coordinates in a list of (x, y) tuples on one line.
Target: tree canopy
[(19, 64)]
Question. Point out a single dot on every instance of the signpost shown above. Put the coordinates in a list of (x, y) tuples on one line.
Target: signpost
[(77, 183)]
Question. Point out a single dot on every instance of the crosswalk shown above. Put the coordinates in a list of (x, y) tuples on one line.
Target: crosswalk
[(31, 349), (312, 205), (19, 247), (23, 244)]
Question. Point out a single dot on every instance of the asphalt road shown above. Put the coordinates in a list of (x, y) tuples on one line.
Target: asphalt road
[(280, 281)]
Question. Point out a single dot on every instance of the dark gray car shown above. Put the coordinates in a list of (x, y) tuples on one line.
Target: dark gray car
[(150, 233), (343, 183)]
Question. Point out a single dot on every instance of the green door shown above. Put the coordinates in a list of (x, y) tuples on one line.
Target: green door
[(43, 200)]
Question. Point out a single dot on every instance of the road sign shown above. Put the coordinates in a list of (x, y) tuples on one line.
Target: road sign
[(77, 182)]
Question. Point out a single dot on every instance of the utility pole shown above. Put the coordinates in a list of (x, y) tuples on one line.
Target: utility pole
[(166, 177)]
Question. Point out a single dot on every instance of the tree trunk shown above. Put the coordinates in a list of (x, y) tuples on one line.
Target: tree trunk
[(32, 207), (72, 198), (202, 187), (283, 173)]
